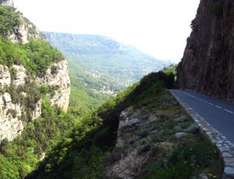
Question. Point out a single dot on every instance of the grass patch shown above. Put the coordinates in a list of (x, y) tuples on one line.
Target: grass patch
[(191, 157)]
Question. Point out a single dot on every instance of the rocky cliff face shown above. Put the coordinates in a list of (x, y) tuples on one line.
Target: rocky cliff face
[(14, 112), (24, 32), (207, 65), (11, 112), (57, 77), (21, 89)]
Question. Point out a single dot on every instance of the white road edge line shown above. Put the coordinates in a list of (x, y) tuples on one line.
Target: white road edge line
[(217, 106), (228, 111)]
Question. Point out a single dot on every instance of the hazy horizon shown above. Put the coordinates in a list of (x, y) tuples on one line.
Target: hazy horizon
[(154, 27)]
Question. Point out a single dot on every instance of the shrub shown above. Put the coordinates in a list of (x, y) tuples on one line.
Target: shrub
[(36, 56), (54, 70), (9, 19), (21, 156), (11, 53), (41, 55), (13, 73), (190, 158)]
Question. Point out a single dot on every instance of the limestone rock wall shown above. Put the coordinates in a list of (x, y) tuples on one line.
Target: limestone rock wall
[(18, 103), (10, 125), (12, 113), (5, 77), (57, 76), (207, 65), (25, 32), (19, 76)]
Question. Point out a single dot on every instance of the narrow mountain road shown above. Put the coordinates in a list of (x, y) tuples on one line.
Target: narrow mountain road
[(219, 114)]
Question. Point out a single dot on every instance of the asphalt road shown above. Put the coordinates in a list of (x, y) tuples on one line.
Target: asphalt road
[(219, 114)]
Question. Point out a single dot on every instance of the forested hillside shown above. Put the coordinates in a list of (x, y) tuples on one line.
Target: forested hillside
[(102, 66)]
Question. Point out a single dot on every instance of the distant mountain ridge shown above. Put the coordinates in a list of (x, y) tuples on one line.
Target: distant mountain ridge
[(116, 64), (87, 44)]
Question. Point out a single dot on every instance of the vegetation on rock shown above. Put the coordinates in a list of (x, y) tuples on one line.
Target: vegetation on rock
[(41, 55), (36, 56), (20, 157), (84, 143), (169, 157), (101, 67), (9, 19)]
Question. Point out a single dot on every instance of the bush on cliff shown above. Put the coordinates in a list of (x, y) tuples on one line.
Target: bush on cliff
[(36, 56), (9, 19)]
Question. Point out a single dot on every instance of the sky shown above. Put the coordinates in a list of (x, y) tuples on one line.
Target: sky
[(157, 27)]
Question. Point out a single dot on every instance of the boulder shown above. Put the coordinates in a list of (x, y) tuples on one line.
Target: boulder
[(180, 135)]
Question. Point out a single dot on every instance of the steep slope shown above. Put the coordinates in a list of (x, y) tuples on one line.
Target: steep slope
[(107, 66), (34, 94), (207, 64), (15, 26), (143, 133), (28, 66)]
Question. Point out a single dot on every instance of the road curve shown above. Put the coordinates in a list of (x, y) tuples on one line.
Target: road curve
[(219, 114)]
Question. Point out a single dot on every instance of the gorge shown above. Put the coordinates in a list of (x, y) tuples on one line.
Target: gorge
[(52, 127)]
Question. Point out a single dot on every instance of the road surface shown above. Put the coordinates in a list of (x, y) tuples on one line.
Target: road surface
[(219, 114)]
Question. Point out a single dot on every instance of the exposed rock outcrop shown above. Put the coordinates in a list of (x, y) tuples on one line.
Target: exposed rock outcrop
[(57, 76), (20, 88), (5, 77), (11, 114), (207, 65), (25, 32), (146, 137), (131, 154), (10, 124), (17, 77), (20, 75)]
